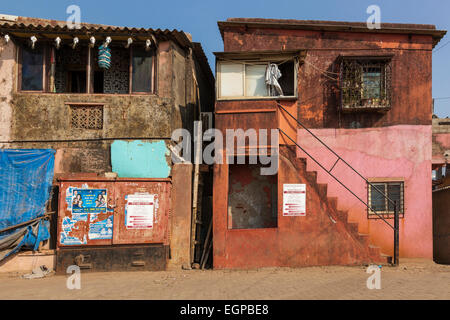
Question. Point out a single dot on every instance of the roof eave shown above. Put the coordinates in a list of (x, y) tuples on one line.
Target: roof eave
[(436, 34)]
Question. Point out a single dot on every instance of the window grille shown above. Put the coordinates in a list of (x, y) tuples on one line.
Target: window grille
[(87, 117), (395, 192), (365, 84)]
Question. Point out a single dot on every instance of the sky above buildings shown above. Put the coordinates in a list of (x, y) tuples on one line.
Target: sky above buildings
[(199, 17)]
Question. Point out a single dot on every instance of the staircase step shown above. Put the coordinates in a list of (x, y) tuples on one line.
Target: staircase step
[(353, 227), (343, 215), (302, 162), (386, 258), (312, 176), (322, 189), (374, 251), (333, 201), (364, 238)]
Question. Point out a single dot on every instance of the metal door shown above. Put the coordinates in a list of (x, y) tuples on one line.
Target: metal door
[(142, 211)]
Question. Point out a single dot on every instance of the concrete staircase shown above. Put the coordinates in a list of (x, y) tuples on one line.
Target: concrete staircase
[(340, 216)]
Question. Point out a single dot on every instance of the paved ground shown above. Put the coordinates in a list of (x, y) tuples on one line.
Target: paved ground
[(414, 279)]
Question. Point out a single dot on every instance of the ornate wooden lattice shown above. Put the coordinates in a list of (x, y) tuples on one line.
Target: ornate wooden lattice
[(87, 117), (365, 84)]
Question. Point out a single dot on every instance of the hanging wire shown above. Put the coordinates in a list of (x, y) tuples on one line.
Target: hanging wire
[(324, 72), (437, 49)]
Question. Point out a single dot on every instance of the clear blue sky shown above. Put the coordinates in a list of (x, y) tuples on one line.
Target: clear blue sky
[(199, 17)]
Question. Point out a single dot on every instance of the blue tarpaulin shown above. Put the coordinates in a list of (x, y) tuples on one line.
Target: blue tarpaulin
[(26, 177)]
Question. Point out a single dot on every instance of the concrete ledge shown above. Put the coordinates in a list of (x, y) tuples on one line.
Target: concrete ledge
[(26, 261)]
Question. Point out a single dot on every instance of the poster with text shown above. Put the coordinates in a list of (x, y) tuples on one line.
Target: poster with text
[(294, 200), (139, 211), (89, 200)]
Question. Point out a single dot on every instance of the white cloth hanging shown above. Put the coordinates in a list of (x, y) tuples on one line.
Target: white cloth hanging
[(272, 76)]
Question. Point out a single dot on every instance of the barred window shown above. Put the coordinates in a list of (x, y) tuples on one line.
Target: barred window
[(87, 117), (377, 191), (365, 84)]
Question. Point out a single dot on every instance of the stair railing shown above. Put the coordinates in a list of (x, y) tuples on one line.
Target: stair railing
[(394, 227)]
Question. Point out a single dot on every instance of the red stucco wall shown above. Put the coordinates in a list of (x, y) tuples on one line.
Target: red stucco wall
[(297, 241)]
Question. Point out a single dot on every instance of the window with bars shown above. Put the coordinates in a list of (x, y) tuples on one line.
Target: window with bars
[(394, 190), (86, 117), (76, 70), (365, 84)]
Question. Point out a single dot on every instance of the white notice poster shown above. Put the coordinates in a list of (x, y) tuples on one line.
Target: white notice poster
[(294, 199), (139, 211)]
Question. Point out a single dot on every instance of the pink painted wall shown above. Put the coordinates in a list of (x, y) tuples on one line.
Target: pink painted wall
[(402, 151)]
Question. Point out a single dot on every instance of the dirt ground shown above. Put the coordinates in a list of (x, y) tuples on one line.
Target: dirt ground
[(414, 279)]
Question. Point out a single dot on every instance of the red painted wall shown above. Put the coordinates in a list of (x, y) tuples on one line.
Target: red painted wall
[(396, 143), (297, 241)]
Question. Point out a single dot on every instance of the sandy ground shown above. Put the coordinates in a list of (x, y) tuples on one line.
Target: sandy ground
[(414, 279)]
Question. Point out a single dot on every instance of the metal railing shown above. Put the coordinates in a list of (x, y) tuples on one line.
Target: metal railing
[(394, 227)]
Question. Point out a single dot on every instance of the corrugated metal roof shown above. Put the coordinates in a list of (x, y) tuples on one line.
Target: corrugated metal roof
[(25, 24), (203, 61), (15, 24)]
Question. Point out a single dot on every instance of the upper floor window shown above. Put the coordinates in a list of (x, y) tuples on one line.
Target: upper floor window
[(142, 67), (32, 69), (365, 83), (246, 79), (77, 70)]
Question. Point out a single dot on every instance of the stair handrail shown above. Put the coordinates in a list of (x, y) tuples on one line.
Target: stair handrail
[(339, 158)]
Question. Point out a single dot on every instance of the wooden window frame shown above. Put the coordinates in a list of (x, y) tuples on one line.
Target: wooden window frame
[(46, 66), (387, 214), (153, 75), (44, 70), (253, 62)]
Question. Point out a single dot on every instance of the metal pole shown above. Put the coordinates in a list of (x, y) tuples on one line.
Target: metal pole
[(396, 234)]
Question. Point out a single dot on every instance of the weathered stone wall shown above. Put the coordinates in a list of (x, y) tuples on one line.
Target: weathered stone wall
[(441, 141), (41, 117), (7, 63), (48, 117)]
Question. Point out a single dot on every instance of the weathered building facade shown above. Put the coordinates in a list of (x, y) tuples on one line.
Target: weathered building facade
[(366, 94), (57, 93)]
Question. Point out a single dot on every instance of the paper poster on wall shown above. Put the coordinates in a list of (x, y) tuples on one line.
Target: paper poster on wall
[(101, 226), (294, 200), (73, 230), (139, 211), (89, 200)]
